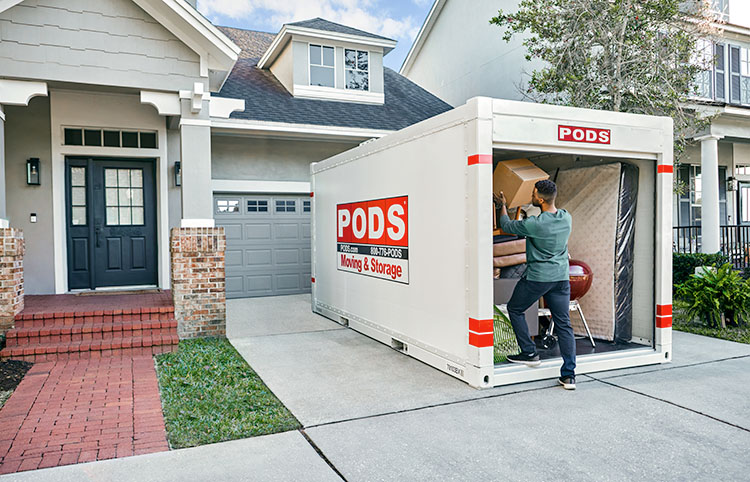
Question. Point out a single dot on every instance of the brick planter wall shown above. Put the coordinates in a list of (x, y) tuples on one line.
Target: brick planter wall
[(198, 285), (11, 276)]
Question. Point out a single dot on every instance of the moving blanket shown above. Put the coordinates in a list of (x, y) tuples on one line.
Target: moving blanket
[(603, 214)]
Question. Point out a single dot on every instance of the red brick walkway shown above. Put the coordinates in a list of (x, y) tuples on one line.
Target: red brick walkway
[(68, 412)]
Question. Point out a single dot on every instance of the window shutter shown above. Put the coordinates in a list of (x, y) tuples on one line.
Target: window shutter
[(719, 72), (734, 74)]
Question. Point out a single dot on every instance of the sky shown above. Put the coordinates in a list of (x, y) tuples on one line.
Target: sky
[(399, 20)]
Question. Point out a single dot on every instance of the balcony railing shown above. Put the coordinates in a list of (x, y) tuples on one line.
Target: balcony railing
[(734, 241)]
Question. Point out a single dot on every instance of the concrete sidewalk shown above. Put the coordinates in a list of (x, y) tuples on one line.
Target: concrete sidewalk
[(371, 413)]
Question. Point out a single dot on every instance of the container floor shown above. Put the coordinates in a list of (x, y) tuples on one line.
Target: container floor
[(583, 347)]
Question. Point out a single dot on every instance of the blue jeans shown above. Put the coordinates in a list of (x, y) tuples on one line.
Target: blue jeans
[(557, 298)]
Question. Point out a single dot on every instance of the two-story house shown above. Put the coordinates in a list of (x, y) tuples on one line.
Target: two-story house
[(712, 205), (132, 130)]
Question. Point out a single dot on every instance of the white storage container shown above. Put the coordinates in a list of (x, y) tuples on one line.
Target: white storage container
[(402, 231)]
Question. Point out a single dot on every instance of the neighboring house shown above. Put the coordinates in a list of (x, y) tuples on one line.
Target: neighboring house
[(713, 213), (128, 123)]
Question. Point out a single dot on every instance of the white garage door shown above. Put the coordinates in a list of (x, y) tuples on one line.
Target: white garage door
[(268, 243)]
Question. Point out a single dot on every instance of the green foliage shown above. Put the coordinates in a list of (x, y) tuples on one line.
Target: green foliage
[(210, 394), (716, 293), (504, 337), (739, 334), (638, 56), (684, 264)]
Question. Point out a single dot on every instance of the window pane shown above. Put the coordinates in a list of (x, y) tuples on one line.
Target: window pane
[(78, 176), (73, 137), (92, 137), (322, 76), (137, 215), (328, 56), (148, 140), (315, 54), (111, 195), (129, 139), (124, 197), (263, 206), (350, 59), (78, 196), (123, 177), (136, 177), (125, 216), (112, 138), (78, 216), (137, 197), (356, 79), (362, 60), (112, 217), (110, 177)]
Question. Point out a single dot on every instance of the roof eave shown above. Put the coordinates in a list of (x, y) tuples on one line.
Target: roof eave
[(287, 31)]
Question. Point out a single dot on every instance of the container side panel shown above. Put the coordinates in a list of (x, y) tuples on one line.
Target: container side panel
[(643, 255), (431, 307)]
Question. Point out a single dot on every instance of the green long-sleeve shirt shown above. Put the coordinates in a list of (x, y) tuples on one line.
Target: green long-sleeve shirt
[(546, 244)]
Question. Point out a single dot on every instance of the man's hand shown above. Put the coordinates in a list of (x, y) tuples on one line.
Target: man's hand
[(499, 198)]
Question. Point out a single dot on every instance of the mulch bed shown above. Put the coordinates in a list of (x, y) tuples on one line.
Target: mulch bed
[(11, 374)]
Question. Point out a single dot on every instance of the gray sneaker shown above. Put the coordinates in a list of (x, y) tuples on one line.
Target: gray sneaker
[(568, 383), (528, 359)]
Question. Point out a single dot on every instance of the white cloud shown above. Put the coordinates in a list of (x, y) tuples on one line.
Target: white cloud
[(365, 15)]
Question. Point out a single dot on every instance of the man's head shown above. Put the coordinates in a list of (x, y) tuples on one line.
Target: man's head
[(545, 192)]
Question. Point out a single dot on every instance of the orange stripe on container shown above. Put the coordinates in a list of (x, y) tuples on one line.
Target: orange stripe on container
[(312, 279), (480, 326), (480, 341), (480, 159), (312, 194), (663, 310), (663, 321), (664, 169)]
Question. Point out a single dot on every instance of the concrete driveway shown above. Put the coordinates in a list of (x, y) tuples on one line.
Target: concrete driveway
[(371, 413)]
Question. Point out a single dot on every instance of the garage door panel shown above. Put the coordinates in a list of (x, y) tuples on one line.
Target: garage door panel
[(268, 244), (258, 231), (258, 257), (234, 285), (286, 257), (286, 282), (287, 231), (232, 231), (233, 257)]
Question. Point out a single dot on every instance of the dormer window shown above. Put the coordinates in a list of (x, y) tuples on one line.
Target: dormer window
[(357, 64), (322, 66)]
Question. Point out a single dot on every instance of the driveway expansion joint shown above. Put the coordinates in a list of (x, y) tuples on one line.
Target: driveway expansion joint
[(321, 454)]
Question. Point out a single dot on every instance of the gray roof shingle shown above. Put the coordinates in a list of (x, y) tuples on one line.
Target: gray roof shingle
[(266, 99), (323, 24)]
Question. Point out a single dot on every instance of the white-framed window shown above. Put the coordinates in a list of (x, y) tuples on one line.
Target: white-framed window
[(322, 66), (357, 66), (289, 206), (306, 206), (721, 7), (704, 57), (227, 206), (257, 206)]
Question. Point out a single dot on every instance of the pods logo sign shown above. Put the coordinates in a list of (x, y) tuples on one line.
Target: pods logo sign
[(372, 238), (589, 135)]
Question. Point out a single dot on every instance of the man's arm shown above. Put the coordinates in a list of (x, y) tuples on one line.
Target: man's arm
[(518, 228)]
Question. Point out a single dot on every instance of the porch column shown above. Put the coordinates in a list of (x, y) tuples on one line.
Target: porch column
[(195, 160), (710, 221)]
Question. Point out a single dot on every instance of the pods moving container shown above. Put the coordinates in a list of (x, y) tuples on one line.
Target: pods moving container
[(403, 234)]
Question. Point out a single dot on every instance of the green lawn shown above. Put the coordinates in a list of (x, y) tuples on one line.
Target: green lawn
[(738, 334), (210, 394)]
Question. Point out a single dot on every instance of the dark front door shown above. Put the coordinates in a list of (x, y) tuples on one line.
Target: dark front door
[(111, 214)]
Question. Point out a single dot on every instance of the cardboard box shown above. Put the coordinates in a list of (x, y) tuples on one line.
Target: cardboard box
[(516, 179)]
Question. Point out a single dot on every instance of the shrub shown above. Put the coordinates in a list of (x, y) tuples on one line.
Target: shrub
[(714, 294), (684, 264)]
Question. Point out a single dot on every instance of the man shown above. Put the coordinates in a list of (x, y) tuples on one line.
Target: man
[(547, 275)]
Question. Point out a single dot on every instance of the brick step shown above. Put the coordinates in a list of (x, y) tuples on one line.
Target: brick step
[(63, 333), (115, 346), (28, 320)]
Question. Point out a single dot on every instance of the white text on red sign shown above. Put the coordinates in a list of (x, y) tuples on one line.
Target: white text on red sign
[(590, 135)]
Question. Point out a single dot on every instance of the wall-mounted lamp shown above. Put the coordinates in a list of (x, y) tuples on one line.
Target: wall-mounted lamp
[(731, 184), (33, 177), (177, 174)]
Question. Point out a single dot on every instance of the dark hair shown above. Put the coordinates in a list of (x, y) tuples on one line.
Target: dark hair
[(547, 190)]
